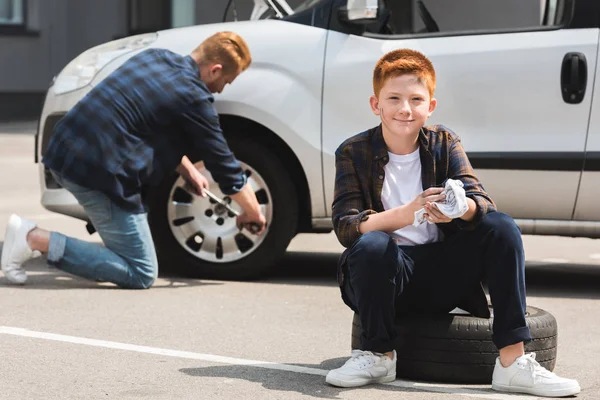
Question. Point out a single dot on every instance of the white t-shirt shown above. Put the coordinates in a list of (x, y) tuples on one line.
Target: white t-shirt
[(401, 185)]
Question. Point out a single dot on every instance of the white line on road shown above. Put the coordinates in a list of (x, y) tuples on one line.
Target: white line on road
[(555, 260), (438, 388)]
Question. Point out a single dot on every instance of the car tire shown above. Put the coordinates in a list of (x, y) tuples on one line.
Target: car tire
[(458, 348), (174, 253)]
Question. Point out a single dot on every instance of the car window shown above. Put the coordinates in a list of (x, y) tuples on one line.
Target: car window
[(457, 16)]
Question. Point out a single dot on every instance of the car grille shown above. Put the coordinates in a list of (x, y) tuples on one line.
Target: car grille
[(49, 125)]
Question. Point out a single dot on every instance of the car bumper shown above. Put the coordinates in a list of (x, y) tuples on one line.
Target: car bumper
[(53, 197)]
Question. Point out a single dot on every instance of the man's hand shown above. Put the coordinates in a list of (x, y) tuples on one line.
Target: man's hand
[(197, 182), (194, 178), (253, 223)]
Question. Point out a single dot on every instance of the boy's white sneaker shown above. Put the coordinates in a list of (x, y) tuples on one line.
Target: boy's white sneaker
[(526, 375), (15, 250), (362, 368)]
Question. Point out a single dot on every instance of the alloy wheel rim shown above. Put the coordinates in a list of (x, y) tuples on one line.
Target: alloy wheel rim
[(205, 229)]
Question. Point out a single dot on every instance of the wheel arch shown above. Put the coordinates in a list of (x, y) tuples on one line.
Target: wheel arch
[(233, 123)]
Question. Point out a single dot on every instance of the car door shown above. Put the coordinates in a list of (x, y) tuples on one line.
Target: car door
[(499, 67), (586, 208)]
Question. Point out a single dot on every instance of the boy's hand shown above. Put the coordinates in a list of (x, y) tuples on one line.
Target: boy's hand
[(433, 214), (430, 195)]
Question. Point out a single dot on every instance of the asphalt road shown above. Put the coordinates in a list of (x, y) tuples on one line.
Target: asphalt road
[(66, 338)]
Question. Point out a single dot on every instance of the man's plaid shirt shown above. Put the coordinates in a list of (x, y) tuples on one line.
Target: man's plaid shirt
[(360, 162), (136, 125)]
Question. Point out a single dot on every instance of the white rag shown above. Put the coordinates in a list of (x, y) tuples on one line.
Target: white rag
[(455, 205)]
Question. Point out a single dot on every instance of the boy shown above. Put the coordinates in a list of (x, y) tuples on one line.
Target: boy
[(391, 266), (127, 132)]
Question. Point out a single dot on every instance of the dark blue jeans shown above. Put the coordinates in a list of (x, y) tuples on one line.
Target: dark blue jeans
[(384, 279)]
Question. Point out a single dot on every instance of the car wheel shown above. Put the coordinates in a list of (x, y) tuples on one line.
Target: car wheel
[(459, 348), (199, 237)]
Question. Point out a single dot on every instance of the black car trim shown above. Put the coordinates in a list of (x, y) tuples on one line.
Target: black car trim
[(49, 124), (592, 161), (536, 161), (37, 139)]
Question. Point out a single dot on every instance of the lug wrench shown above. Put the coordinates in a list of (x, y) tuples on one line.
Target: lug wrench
[(252, 227)]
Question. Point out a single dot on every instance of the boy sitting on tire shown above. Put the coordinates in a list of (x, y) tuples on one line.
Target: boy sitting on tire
[(403, 254)]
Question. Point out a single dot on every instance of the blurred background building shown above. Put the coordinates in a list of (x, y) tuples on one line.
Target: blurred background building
[(39, 37)]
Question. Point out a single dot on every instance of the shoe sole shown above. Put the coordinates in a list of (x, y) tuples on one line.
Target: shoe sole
[(360, 382), (537, 392), (11, 228)]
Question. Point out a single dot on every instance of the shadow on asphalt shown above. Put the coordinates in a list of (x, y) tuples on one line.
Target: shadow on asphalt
[(573, 281), (303, 268), (49, 278), (314, 385), (577, 281)]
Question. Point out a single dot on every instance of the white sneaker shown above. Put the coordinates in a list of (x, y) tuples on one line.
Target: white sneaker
[(362, 368), (16, 250), (526, 375)]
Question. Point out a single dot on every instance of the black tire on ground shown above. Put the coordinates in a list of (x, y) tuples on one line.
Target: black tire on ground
[(282, 228), (458, 348)]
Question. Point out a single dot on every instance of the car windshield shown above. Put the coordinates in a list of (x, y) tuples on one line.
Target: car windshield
[(306, 4), (272, 5)]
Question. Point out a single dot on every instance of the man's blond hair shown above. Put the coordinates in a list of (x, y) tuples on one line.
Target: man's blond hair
[(227, 49)]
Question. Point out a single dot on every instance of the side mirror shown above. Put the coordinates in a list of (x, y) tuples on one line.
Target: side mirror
[(360, 11)]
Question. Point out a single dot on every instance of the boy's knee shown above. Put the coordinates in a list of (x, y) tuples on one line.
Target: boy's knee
[(503, 227), (374, 243), (372, 249)]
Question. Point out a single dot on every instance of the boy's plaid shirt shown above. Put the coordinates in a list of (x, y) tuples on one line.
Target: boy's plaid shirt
[(360, 162)]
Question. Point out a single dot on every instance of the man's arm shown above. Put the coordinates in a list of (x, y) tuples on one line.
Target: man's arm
[(185, 167), (201, 122)]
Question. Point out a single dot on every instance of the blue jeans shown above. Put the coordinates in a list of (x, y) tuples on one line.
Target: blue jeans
[(127, 259), (384, 279)]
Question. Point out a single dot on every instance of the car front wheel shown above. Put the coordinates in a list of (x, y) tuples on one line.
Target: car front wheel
[(199, 237)]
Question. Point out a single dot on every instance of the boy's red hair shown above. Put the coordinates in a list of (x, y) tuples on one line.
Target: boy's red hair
[(403, 62)]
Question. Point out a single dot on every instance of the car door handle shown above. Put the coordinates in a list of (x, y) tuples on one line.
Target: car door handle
[(573, 77)]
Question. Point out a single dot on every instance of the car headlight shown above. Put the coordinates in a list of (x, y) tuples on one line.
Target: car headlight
[(80, 72)]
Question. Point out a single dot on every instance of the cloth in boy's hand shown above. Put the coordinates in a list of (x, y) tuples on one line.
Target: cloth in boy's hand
[(455, 205)]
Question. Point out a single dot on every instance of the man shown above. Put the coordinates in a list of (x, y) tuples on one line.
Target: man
[(126, 133)]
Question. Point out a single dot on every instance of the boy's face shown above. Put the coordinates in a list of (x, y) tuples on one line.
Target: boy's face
[(403, 105)]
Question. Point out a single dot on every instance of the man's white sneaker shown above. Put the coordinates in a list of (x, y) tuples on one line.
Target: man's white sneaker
[(362, 368), (15, 250), (526, 375)]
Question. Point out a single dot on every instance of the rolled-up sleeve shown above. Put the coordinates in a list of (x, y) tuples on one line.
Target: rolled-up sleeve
[(459, 167), (348, 201), (201, 123)]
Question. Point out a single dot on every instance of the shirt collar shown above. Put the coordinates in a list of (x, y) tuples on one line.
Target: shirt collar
[(380, 149), (192, 64)]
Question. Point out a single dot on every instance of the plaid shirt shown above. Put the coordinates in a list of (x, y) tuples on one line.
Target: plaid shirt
[(360, 163), (136, 125)]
